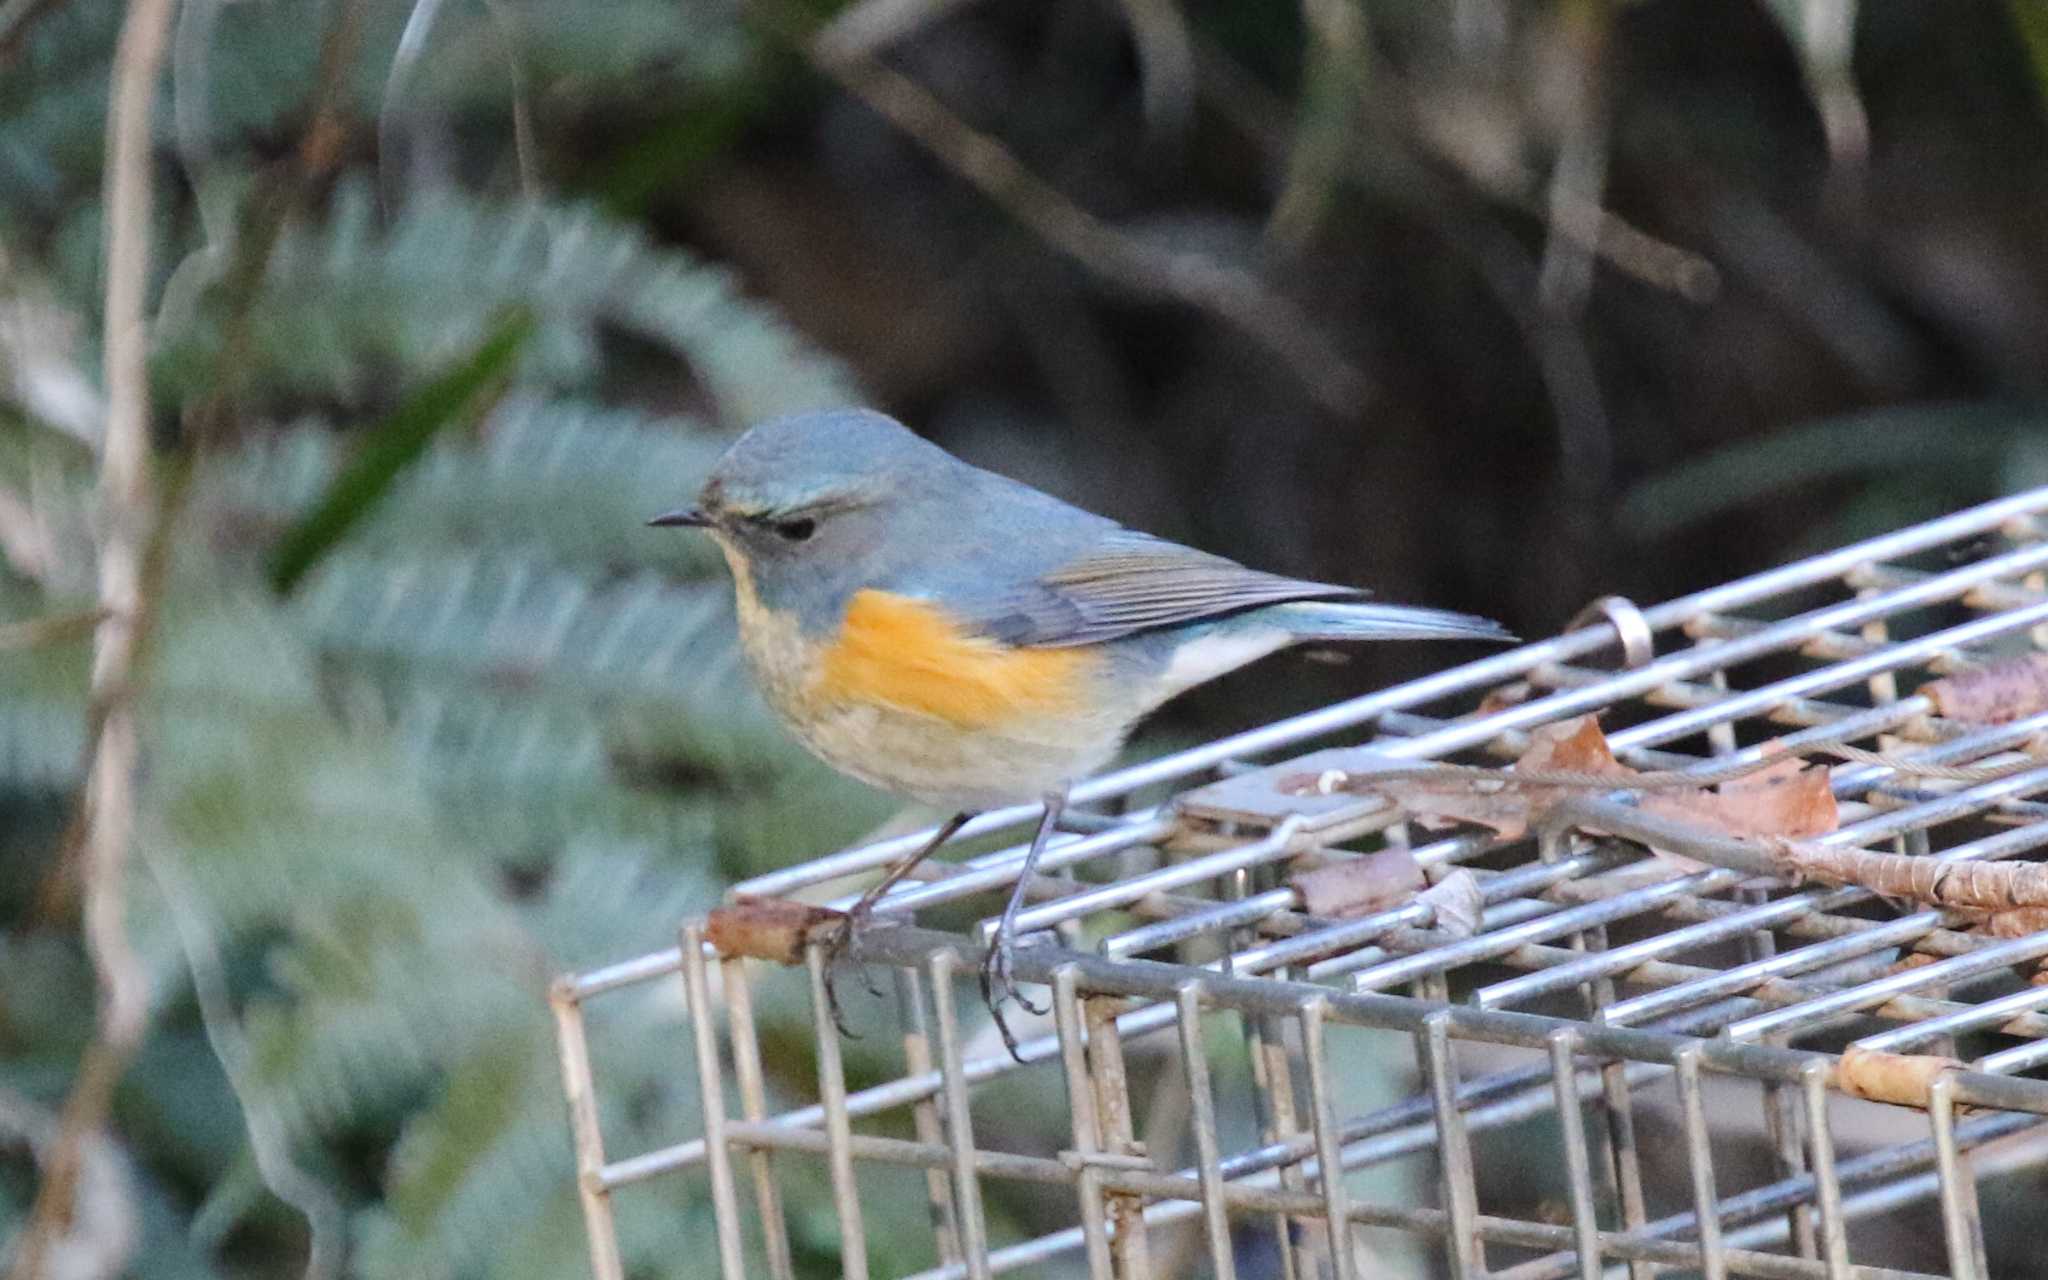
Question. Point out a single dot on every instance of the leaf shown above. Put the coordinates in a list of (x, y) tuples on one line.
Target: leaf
[(1784, 799), (397, 442), (2032, 22), (1459, 903), (1575, 746), (1923, 441)]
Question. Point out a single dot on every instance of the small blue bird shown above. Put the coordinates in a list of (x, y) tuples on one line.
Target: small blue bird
[(951, 635)]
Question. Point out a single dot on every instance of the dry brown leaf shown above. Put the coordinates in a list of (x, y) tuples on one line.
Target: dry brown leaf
[(1786, 799), (1439, 804), (1460, 906), (1571, 746), (1502, 696), (1359, 886)]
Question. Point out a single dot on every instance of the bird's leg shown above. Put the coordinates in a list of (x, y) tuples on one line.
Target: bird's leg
[(857, 918), (996, 984)]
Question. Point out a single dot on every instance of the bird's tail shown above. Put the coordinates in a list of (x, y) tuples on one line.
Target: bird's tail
[(1334, 620)]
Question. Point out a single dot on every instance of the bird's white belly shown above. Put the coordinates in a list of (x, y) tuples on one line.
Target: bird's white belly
[(953, 768)]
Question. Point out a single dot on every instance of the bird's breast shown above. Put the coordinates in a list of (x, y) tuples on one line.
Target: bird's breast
[(909, 655), (903, 698)]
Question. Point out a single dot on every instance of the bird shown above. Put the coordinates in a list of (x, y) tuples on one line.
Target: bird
[(958, 638)]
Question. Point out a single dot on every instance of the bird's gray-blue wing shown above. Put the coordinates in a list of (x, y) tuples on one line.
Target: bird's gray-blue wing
[(1125, 583)]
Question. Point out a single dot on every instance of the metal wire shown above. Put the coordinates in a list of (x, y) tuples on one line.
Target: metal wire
[(1626, 1070)]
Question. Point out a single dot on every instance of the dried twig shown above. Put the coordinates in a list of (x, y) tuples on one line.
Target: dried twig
[(55, 629), (1826, 36), (1166, 67), (869, 27), (1388, 173), (1974, 887), (136, 545), (128, 508), (1967, 886), (1336, 63), (1578, 179), (278, 191), (525, 145), (24, 542), (1148, 269), (326, 1223), (412, 43), (106, 1221), (405, 63)]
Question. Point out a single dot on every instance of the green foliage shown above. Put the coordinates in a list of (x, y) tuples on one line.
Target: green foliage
[(412, 298), (1916, 461), (493, 731), (395, 444)]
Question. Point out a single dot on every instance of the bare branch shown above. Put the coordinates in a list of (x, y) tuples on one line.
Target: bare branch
[(1628, 249), (525, 147), (1234, 294), (268, 1142), (1579, 177), (105, 1224), (127, 500), (868, 27), (36, 632), (25, 543), (1336, 64), (1166, 68)]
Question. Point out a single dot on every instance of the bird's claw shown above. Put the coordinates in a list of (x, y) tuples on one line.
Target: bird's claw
[(835, 948), (998, 980), (999, 988)]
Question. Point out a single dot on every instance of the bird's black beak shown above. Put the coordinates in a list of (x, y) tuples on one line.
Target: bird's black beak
[(688, 517)]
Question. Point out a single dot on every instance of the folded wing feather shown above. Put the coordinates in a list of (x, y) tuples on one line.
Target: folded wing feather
[(1132, 582)]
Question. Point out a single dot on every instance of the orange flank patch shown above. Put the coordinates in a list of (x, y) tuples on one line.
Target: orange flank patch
[(908, 654)]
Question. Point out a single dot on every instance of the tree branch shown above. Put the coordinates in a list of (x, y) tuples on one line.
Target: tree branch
[(128, 510), (1236, 295)]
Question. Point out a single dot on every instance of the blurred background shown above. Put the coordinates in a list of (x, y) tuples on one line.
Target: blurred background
[(1486, 305)]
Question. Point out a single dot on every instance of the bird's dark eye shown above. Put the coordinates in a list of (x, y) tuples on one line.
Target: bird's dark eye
[(798, 530)]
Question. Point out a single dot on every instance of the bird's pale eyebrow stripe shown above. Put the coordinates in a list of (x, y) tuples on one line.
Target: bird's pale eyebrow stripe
[(907, 654), (816, 509)]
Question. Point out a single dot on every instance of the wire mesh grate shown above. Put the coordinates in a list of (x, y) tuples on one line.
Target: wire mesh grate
[(1619, 1069)]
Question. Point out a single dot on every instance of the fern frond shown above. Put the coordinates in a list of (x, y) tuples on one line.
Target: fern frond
[(566, 481), (412, 296), (512, 622)]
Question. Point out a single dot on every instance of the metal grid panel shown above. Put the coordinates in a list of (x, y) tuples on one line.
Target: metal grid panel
[(1644, 1034)]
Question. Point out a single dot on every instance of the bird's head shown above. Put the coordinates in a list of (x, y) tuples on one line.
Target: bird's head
[(806, 507)]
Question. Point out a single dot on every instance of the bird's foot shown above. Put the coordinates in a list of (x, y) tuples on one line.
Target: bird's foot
[(837, 945), (862, 914), (999, 987), (998, 965)]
